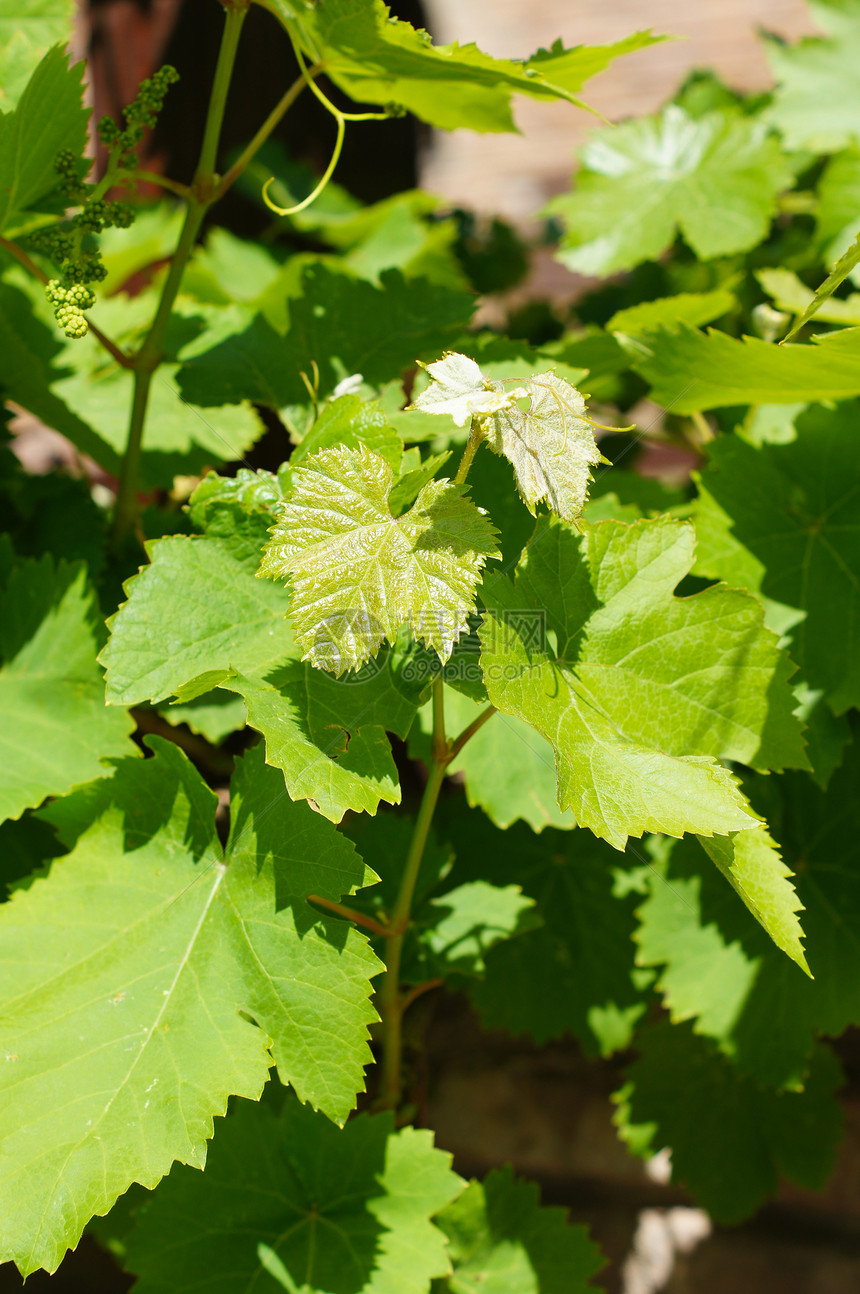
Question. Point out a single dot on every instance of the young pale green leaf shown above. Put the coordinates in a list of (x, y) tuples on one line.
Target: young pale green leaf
[(502, 1242), (724, 973), (783, 520), (730, 1138), (55, 729), (327, 737), (642, 690), (713, 178), (689, 370), (50, 116), (376, 58), (550, 445), (460, 390), (358, 573), (25, 36), (290, 1202), (575, 972), (169, 977), (816, 105)]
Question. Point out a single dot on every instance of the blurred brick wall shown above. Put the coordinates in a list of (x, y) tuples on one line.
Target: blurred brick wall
[(515, 174)]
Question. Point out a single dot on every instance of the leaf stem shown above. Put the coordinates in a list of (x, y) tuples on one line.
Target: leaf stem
[(391, 1005), (351, 914), (476, 435), (469, 732), (182, 191), (418, 991)]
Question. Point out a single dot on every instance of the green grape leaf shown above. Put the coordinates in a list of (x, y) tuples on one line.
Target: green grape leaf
[(25, 36), (156, 233), (792, 295), (348, 420), (324, 734), (689, 370), (573, 974), (816, 104), (305, 854), (376, 58), (838, 215), (407, 231), (213, 715), (508, 768), (168, 979), (229, 620), (49, 117), (825, 733), (289, 1201), (571, 68), (358, 573), (56, 730), (461, 925), (693, 308), (502, 1242), (783, 520), (225, 269), (327, 737), (714, 178), (751, 863), (406, 490), (635, 695), (342, 324), (730, 1138), (26, 843), (53, 514), (722, 972)]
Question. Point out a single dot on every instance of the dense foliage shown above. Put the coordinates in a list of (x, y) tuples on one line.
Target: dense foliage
[(628, 716)]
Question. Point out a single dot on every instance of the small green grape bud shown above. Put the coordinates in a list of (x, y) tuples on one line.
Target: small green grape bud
[(76, 327), (119, 214), (82, 297)]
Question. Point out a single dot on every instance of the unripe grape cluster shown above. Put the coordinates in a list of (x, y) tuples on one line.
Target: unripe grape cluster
[(73, 247), (140, 114)]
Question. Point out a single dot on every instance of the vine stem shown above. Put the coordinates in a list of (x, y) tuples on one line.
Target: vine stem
[(247, 154), (151, 353), (391, 1005), (476, 435)]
